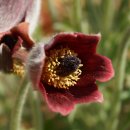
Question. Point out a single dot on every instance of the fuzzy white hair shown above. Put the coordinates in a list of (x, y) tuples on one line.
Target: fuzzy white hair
[(13, 12)]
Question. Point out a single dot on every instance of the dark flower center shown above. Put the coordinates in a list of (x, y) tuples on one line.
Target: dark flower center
[(62, 68), (9, 40), (68, 65)]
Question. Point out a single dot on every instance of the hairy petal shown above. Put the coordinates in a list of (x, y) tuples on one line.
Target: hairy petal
[(22, 30), (6, 63), (35, 63), (99, 67), (12, 12), (82, 44), (32, 14), (86, 93), (57, 100), (21, 55)]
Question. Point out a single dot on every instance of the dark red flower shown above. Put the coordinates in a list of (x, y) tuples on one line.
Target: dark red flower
[(66, 70), (14, 47)]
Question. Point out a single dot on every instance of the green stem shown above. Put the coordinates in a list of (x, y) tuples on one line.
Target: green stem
[(19, 104), (36, 111), (119, 83)]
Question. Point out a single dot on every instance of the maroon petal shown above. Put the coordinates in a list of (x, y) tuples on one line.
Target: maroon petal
[(78, 42), (21, 55), (13, 42), (99, 67), (35, 64), (22, 30), (86, 93), (18, 45), (6, 62), (58, 100), (12, 12)]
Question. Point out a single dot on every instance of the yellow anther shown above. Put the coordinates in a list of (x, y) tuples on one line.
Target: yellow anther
[(18, 68)]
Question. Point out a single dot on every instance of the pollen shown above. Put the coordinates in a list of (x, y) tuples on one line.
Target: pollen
[(18, 68), (62, 68)]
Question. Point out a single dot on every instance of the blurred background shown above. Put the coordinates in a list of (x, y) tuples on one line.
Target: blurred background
[(111, 18)]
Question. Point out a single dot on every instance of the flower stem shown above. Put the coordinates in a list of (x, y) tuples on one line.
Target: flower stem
[(19, 104), (119, 83), (36, 111)]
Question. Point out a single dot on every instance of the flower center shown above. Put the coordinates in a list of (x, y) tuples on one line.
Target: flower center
[(62, 68), (68, 64), (9, 40)]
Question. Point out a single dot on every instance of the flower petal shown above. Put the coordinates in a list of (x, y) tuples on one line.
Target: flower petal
[(21, 55), (35, 64), (78, 42), (12, 12), (32, 14), (22, 30), (99, 67), (58, 100), (6, 63), (86, 94)]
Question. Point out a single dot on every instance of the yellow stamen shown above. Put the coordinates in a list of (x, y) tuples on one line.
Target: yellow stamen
[(49, 75), (18, 68)]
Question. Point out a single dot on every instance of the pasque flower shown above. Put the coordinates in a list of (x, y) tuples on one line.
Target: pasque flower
[(66, 69), (17, 21), (14, 47)]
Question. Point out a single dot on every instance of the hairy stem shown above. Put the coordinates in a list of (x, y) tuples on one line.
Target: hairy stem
[(36, 111), (19, 104)]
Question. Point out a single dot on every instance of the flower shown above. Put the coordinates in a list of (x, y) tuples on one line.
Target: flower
[(18, 20), (13, 12), (14, 47), (66, 69)]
